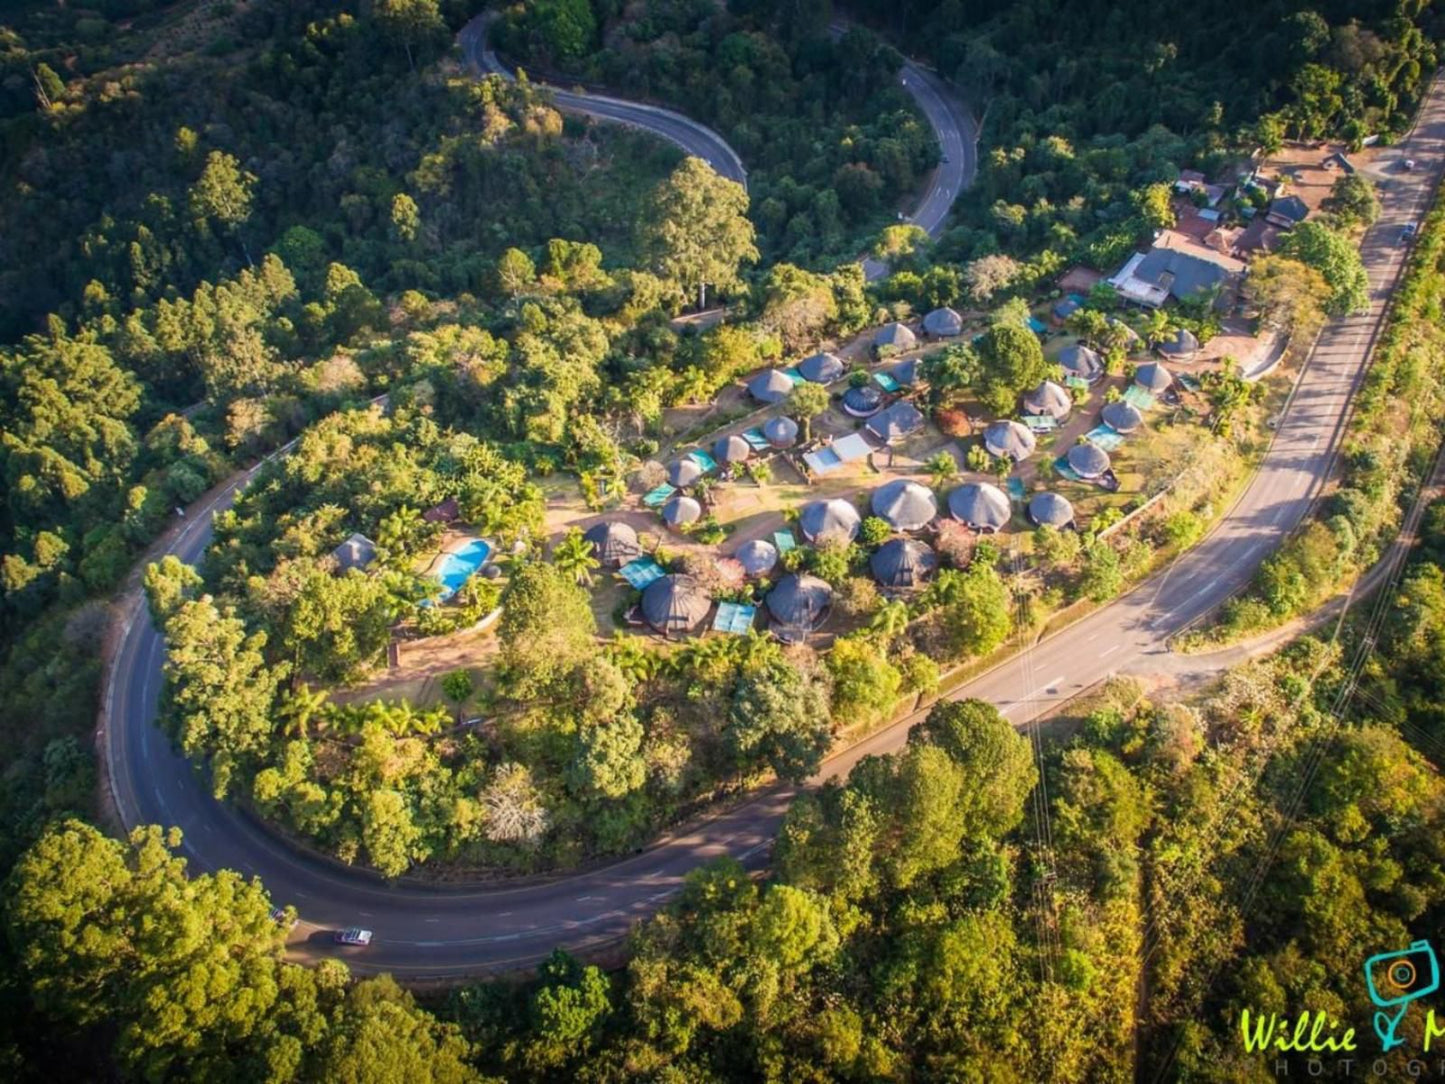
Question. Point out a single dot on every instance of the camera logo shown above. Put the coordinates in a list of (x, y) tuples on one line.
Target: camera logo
[(1395, 979)]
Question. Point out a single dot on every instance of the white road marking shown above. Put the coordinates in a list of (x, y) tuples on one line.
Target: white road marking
[(1110, 651), (1053, 682)]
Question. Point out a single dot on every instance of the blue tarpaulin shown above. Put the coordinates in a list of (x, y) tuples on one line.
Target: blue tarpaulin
[(734, 618), (641, 572)]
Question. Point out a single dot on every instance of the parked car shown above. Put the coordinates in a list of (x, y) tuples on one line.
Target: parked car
[(353, 936)]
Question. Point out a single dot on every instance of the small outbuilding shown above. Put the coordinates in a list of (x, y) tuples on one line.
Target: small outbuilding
[(943, 323), (901, 564), (1008, 439), (771, 386), (894, 338), (1049, 400), (675, 604), (798, 605), (733, 449), (1088, 460), (905, 505), (908, 373), (1153, 377), (757, 557), (1080, 361), (821, 368), (781, 432), (357, 552), (863, 401), (980, 505), (680, 511), (1051, 510), (1122, 416), (613, 542), (900, 420), (1183, 345), (837, 519), (1064, 308)]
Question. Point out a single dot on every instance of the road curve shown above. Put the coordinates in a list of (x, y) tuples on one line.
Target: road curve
[(434, 933), (952, 123)]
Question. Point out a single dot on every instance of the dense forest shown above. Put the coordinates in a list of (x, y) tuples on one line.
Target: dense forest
[(231, 222)]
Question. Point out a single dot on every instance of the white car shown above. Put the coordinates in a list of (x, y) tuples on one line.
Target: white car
[(353, 936)]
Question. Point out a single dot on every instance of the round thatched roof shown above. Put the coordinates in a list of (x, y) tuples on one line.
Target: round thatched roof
[(1153, 377), (798, 605), (681, 511), (1050, 509), (982, 506), (770, 386), (614, 542), (1088, 460), (1008, 439), (1122, 417), (1049, 399), (757, 557), (943, 323), (820, 520), (1079, 360), (901, 563), (907, 506), (863, 401), (675, 604), (1182, 345), (821, 368), (732, 449), (683, 472), (895, 336), (782, 432)]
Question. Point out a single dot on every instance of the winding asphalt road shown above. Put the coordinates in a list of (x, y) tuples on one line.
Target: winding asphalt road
[(952, 123), (426, 933)]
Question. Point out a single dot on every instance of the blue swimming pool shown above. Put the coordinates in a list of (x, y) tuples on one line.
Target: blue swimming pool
[(458, 565)]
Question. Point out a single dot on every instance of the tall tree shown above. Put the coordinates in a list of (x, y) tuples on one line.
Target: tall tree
[(698, 233)]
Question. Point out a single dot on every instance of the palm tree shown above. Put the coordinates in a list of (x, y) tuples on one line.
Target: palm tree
[(1158, 327), (573, 556), (300, 708), (943, 468), (890, 621)]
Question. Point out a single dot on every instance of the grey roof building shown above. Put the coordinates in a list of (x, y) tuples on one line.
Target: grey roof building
[(894, 338), (902, 563), (675, 604), (1153, 377), (1008, 439), (980, 505), (900, 420), (834, 519), (757, 557), (782, 431), (1171, 272), (732, 449), (1050, 400), (614, 542), (1181, 346), (1088, 460), (358, 551), (681, 511), (908, 373), (943, 323), (770, 386), (1287, 211), (905, 505), (683, 472), (798, 604), (1122, 417), (821, 368), (1051, 510), (1078, 360), (863, 401)]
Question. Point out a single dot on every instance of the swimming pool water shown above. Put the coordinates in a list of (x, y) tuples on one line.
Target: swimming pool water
[(457, 566)]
